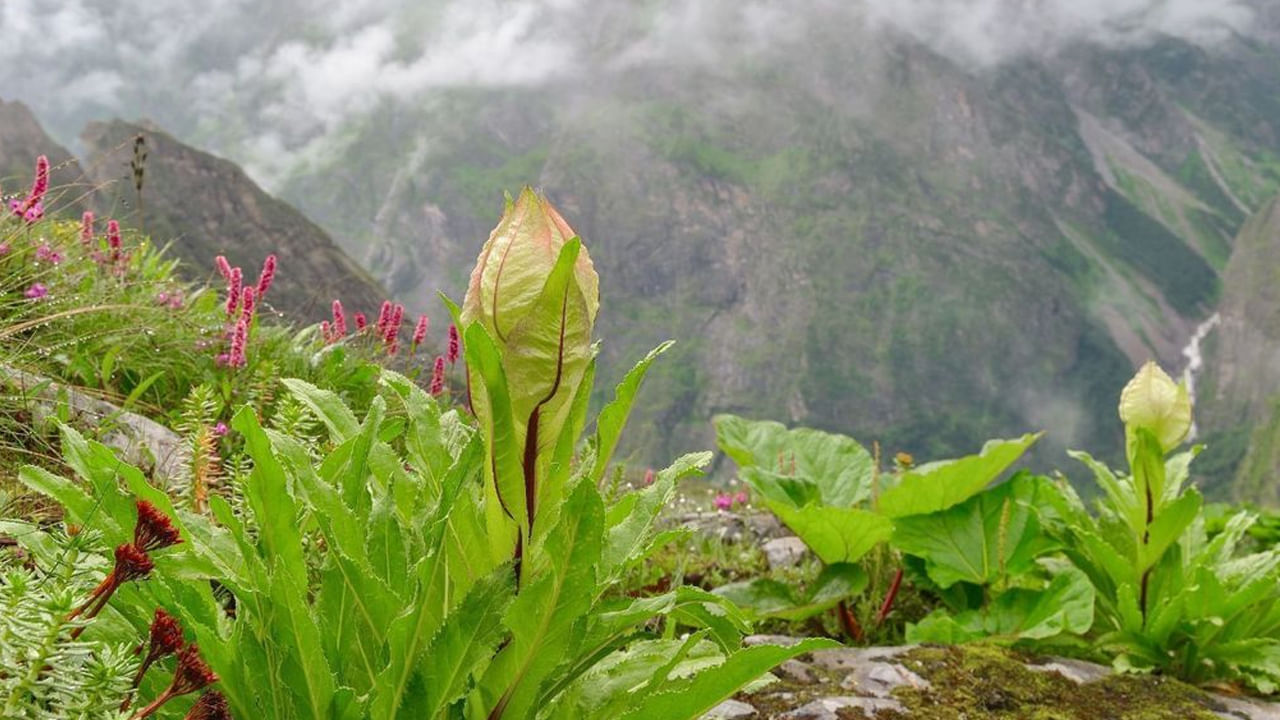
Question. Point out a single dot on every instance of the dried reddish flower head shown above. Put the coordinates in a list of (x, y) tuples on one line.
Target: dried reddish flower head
[(154, 530), (211, 706), (267, 276), (192, 673), (166, 635), (132, 563)]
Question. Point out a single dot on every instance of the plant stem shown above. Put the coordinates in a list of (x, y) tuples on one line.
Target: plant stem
[(849, 622), (889, 597)]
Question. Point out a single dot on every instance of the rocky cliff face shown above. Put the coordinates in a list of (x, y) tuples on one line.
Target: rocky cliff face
[(1239, 393), (891, 245), (21, 140), (205, 206)]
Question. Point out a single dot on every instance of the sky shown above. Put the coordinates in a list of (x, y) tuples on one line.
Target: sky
[(274, 76)]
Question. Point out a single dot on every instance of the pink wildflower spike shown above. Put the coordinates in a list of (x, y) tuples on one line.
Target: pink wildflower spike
[(361, 321), (249, 303), (723, 501), (326, 333), (86, 228), (454, 344), (339, 319), (31, 209), (224, 267), (649, 477), (233, 291), (267, 276), (36, 291), (420, 330), (113, 238), (239, 337), (393, 325), (384, 318), (437, 376)]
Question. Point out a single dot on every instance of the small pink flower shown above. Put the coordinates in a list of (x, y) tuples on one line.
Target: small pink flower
[(44, 253), (649, 476), (239, 337), (740, 497), (113, 238), (326, 333), (361, 321), (454, 345), (723, 501), (384, 318), (222, 359), (224, 267), (249, 303), (34, 213), (220, 429), (233, 291), (4, 248), (339, 319), (162, 297), (86, 228), (437, 376), (267, 276), (420, 330), (36, 291), (393, 325)]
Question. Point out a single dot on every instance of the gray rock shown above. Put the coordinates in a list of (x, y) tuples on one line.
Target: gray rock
[(1239, 708), (826, 708), (784, 552), (879, 679), (795, 671), (141, 441), (731, 710), (764, 525), (1077, 670), (845, 659)]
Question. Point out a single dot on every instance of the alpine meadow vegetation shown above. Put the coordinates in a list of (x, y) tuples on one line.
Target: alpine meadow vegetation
[(358, 520)]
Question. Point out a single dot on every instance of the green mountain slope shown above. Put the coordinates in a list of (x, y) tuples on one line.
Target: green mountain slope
[(897, 246)]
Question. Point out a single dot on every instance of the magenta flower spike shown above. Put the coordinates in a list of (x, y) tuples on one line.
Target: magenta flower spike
[(437, 376), (339, 319), (267, 276), (454, 344), (86, 228), (420, 330), (233, 291)]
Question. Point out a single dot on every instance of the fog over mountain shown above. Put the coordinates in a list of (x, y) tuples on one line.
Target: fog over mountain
[(249, 80), (927, 222)]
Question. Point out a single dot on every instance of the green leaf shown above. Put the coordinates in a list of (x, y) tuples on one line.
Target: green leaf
[(1168, 527), (992, 535), (836, 465), (690, 698), (268, 496), (939, 485), (492, 404), (464, 644), (327, 406), (768, 598), (614, 416), (835, 534), (1064, 607)]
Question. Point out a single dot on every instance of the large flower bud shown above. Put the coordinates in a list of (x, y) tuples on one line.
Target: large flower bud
[(535, 293)]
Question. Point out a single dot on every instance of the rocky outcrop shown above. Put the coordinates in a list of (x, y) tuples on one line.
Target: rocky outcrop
[(204, 206), (931, 683)]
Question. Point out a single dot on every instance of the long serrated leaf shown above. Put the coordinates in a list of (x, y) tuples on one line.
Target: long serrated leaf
[(613, 417)]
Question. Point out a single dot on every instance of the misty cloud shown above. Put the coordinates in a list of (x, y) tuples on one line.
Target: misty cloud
[(273, 78)]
